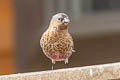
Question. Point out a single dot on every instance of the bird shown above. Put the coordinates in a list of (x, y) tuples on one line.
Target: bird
[(56, 42)]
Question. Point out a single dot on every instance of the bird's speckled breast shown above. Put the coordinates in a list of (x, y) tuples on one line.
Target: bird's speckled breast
[(56, 45)]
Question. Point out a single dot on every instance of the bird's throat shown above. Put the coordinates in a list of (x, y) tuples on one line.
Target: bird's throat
[(63, 27)]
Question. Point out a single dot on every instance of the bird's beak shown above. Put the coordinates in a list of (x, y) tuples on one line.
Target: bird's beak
[(66, 20)]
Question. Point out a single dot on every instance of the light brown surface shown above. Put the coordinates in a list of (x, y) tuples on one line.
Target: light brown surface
[(98, 72), (6, 37)]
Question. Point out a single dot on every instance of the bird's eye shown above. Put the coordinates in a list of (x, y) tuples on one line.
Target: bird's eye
[(60, 19)]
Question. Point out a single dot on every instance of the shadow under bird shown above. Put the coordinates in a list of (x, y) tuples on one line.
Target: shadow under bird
[(56, 42)]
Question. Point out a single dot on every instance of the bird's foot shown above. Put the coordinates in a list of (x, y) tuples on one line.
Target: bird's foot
[(66, 62), (53, 62)]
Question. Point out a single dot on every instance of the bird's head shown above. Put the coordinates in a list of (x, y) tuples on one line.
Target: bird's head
[(60, 21)]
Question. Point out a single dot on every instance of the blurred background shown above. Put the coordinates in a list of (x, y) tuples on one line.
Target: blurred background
[(95, 27)]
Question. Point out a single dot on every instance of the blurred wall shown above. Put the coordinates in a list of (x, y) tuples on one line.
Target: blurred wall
[(29, 20), (6, 37)]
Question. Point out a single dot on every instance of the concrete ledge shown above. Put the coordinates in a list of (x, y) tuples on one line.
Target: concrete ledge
[(95, 72)]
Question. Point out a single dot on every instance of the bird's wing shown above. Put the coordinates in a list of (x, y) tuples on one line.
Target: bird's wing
[(72, 44)]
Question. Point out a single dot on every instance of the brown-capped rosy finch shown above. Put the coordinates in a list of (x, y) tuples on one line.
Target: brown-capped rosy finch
[(56, 42)]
